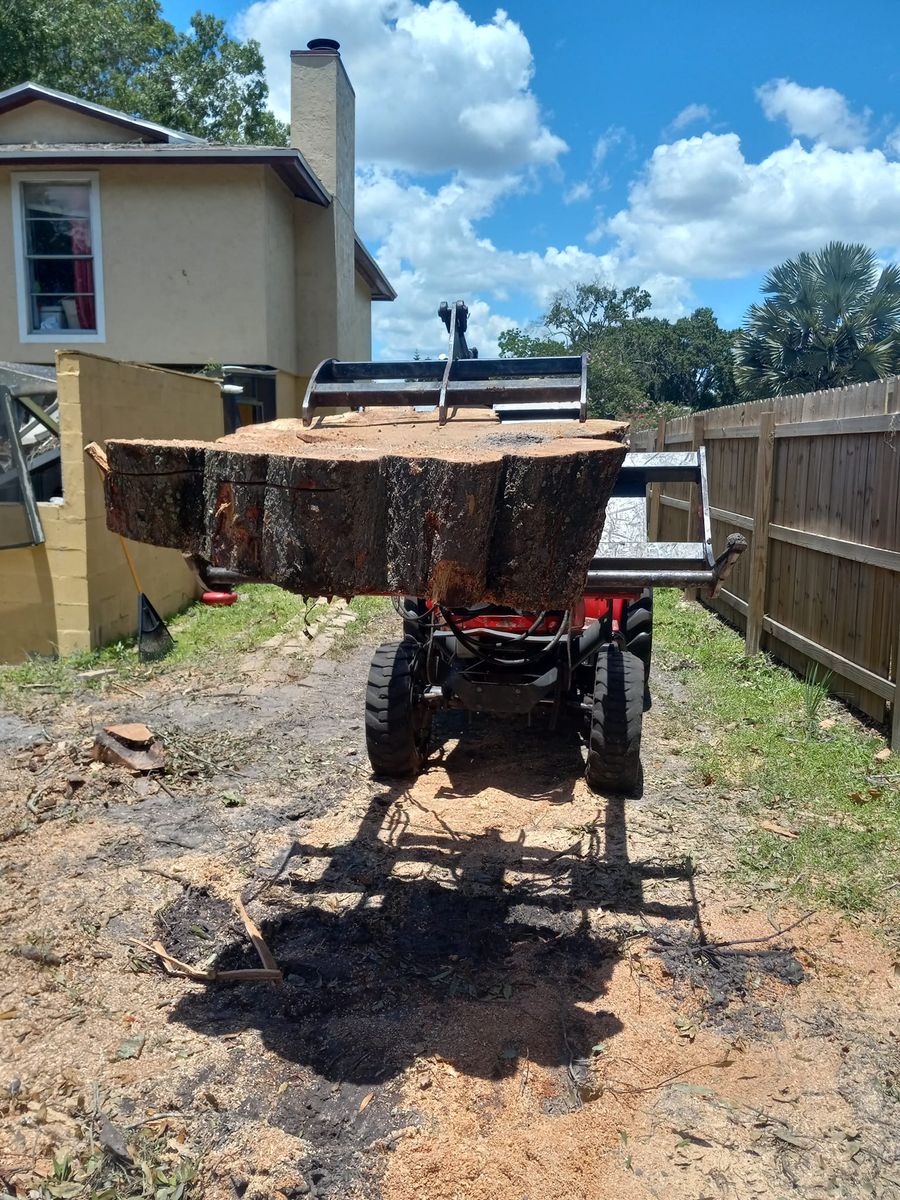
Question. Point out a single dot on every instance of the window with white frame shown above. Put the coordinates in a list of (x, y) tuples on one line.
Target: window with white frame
[(57, 224)]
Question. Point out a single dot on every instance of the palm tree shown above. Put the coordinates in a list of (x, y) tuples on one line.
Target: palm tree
[(830, 319)]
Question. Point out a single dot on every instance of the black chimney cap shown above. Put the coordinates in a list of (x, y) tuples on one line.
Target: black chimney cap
[(323, 44)]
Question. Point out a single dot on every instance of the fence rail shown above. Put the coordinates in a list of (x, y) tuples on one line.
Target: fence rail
[(814, 480)]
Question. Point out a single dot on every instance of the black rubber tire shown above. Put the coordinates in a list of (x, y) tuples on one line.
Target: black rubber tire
[(614, 745), (639, 635), (398, 723)]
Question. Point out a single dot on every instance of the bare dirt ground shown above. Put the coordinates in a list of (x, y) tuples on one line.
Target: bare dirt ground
[(498, 985)]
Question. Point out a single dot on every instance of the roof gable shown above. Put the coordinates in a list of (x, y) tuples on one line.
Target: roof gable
[(92, 122)]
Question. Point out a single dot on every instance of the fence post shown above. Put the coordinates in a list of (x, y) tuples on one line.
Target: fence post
[(656, 488), (759, 545), (694, 519)]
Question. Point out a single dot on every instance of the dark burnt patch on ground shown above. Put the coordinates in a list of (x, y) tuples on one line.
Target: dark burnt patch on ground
[(727, 979), (369, 991)]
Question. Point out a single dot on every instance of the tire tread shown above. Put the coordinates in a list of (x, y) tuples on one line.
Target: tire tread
[(614, 746)]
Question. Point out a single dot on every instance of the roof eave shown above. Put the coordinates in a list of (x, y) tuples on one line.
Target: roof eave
[(289, 165), (366, 265)]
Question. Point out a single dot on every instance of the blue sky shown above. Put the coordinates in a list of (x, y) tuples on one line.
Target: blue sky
[(683, 146)]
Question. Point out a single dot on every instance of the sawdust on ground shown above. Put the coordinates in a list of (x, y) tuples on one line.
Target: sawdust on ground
[(495, 985)]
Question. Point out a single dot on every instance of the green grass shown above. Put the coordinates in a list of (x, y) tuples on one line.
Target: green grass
[(202, 634), (768, 749)]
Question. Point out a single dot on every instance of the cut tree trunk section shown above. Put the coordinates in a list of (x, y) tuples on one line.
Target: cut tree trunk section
[(474, 511)]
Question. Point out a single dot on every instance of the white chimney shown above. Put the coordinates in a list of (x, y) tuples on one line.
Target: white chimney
[(323, 117)]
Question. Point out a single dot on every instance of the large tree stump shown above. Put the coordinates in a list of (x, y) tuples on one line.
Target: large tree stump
[(381, 502)]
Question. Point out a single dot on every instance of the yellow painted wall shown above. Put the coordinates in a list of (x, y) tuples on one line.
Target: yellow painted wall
[(361, 335), (184, 262), (75, 592), (280, 279), (209, 264), (43, 122), (43, 590)]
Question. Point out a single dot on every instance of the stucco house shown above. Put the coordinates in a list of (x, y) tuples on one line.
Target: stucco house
[(124, 242), (144, 244)]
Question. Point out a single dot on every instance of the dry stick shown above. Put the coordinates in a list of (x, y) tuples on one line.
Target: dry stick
[(252, 975), (161, 951), (270, 971), (525, 1076), (248, 975), (281, 866), (562, 853), (652, 1087), (725, 946), (165, 875), (168, 1116), (182, 967), (265, 954)]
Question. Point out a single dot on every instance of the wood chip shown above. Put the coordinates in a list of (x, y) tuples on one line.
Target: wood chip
[(109, 748), (132, 1047), (774, 827), (112, 1139), (133, 732)]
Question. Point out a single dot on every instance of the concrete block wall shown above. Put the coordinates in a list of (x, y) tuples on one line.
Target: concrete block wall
[(75, 592)]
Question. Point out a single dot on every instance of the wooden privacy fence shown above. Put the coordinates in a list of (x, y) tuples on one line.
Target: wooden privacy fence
[(813, 481)]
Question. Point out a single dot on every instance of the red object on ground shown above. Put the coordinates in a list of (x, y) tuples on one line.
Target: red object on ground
[(213, 598)]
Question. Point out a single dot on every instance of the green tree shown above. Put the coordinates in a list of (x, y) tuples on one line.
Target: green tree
[(518, 343), (587, 311), (595, 319), (685, 363), (638, 365), (122, 53), (830, 318)]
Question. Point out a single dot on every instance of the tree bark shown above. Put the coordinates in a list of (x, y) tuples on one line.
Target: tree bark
[(472, 512)]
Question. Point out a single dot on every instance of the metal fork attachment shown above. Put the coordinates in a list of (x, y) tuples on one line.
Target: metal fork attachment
[(626, 558), (464, 380)]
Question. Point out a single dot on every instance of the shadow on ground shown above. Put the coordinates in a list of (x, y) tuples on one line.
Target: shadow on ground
[(399, 944), (490, 752)]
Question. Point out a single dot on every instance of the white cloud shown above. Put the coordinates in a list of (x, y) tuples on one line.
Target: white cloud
[(892, 143), (689, 115), (577, 192), (436, 91), (432, 250), (702, 210), (820, 113), (614, 136)]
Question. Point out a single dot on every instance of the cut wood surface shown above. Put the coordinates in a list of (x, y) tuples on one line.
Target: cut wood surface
[(380, 502)]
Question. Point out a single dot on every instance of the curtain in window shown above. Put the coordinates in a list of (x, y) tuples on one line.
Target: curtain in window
[(84, 275)]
